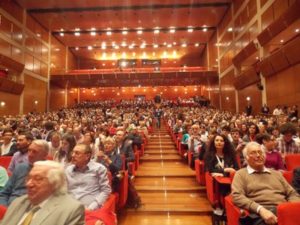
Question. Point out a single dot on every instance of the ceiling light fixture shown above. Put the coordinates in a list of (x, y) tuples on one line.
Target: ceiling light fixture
[(125, 32), (196, 44), (172, 30), (184, 45), (230, 29), (108, 33), (156, 31), (190, 30), (140, 31), (204, 29), (155, 45), (90, 47)]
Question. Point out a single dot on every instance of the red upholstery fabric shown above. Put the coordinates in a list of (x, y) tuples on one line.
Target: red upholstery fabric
[(123, 191), (233, 213), (288, 213), (5, 161), (292, 161), (210, 188), (137, 159), (108, 217), (2, 211), (200, 174), (288, 175)]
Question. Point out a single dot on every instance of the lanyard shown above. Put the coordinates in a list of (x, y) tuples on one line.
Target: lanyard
[(221, 163)]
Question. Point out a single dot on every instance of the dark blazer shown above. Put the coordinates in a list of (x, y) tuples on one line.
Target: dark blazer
[(126, 149), (296, 179)]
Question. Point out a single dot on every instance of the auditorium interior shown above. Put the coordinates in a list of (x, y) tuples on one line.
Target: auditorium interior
[(223, 54)]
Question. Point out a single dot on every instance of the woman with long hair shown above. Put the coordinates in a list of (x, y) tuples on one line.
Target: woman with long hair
[(220, 158), (64, 154)]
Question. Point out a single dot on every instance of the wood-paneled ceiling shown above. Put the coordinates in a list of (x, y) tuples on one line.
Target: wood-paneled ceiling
[(174, 30)]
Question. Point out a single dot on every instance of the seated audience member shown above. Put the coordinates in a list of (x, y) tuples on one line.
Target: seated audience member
[(54, 143), (258, 189), (47, 201), (238, 145), (87, 180), (286, 144), (135, 137), (273, 157), (23, 142), (220, 157), (296, 179), (8, 147), (48, 130), (111, 160), (124, 147), (251, 132), (3, 177), (64, 154), (195, 145), (15, 186)]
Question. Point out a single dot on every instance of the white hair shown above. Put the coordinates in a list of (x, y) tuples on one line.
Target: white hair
[(42, 143), (55, 174), (249, 146)]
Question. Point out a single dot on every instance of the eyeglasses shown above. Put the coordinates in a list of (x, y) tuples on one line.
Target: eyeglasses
[(259, 152), (36, 179)]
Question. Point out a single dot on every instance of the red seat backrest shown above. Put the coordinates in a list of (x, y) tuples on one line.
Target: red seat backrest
[(5, 161)]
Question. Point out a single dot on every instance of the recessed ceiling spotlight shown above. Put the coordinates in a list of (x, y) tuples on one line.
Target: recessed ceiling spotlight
[(76, 48), (90, 47), (116, 47), (297, 30), (108, 33), (172, 30), (93, 33), (61, 34), (281, 41), (204, 29), (77, 32), (169, 45), (156, 31), (123, 44), (155, 46), (190, 30), (196, 44), (125, 32), (184, 45), (230, 29), (139, 31), (174, 43)]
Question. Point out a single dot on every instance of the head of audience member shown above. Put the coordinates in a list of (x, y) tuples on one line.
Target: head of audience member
[(120, 136), (220, 144), (255, 156), (226, 130), (37, 151), (235, 134), (23, 141), (45, 179), (252, 129), (7, 135), (88, 138), (68, 142), (55, 140), (49, 126), (77, 132), (109, 145), (195, 129), (81, 156), (267, 141), (288, 130)]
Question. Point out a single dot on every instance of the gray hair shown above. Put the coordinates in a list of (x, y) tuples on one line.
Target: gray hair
[(249, 146), (43, 144), (56, 175)]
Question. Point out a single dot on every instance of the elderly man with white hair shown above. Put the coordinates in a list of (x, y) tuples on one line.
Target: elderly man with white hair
[(259, 189), (47, 201)]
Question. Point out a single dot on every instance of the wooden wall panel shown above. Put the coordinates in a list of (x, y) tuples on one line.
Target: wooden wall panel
[(267, 18), (279, 8), (5, 47), (225, 22), (35, 90), (228, 92), (58, 57), (255, 98), (12, 8), (57, 98), (284, 87), (12, 103), (213, 51)]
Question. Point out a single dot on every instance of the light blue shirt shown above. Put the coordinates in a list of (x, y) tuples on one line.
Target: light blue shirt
[(91, 186)]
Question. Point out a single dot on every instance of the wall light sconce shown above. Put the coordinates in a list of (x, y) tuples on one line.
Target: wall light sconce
[(2, 104), (36, 102), (227, 98), (248, 98)]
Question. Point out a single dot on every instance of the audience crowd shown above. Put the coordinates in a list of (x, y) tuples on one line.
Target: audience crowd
[(93, 139)]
